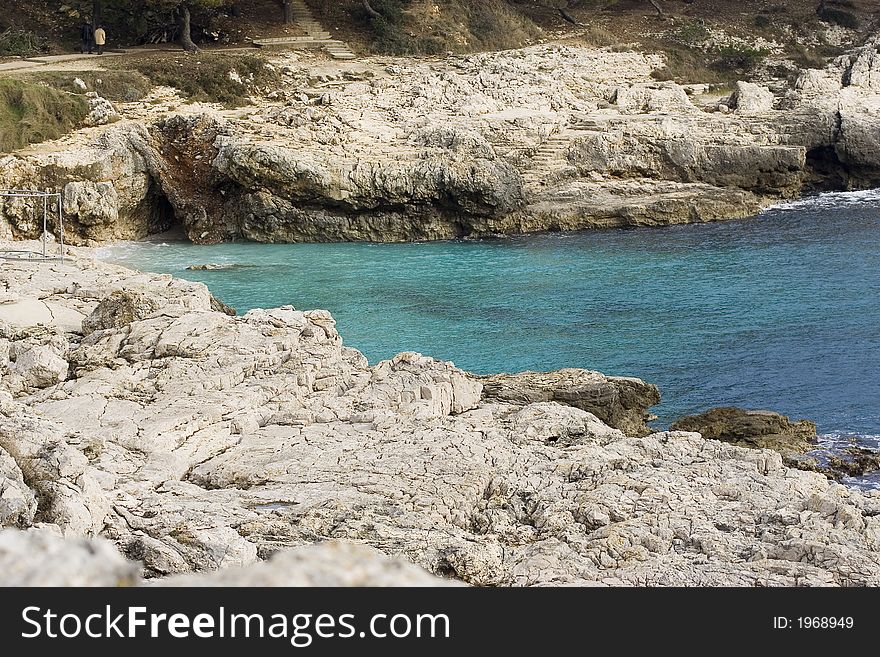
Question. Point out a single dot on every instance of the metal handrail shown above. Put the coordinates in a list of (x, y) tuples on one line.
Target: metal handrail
[(38, 194)]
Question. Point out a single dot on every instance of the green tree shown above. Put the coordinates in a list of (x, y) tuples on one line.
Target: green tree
[(181, 11)]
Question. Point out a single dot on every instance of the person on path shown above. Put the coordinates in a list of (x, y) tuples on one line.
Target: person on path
[(85, 38), (100, 39)]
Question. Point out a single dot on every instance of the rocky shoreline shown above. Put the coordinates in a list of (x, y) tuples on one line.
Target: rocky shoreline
[(543, 138), (146, 433), (152, 436)]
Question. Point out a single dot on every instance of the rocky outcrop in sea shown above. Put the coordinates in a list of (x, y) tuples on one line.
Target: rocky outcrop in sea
[(544, 138), (146, 434)]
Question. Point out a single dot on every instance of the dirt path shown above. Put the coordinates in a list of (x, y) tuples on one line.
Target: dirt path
[(312, 34), (80, 62), (58, 63)]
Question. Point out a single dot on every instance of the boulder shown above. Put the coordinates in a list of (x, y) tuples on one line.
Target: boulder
[(136, 301), (620, 402), (748, 428), (864, 70), (101, 111), (122, 308), (93, 203), (40, 367), (818, 82), (750, 98), (553, 423)]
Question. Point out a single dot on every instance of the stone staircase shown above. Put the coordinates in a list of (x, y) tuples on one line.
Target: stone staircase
[(548, 163), (317, 36)]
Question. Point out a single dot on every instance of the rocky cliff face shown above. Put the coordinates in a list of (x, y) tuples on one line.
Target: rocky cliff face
[(545, 138), (196, 441)]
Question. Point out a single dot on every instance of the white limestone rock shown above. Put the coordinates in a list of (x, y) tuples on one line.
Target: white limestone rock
[(17, 501), (750, 98), (40, 557), (550, 137), (818, 82), (121, 308), (332, 563), (40, 367), (101, 111), (864, 71), (551, 422), (93, 203)]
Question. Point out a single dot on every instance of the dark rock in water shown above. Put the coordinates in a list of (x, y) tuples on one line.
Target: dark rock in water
[(212, 267), (620, 402), (756, 429), (837, 465), (796, 441), (854, 462)]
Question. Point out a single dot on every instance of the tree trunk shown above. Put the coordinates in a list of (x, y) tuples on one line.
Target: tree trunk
[(97, 10), (288, 11), (186, 41), (568, 17), (656, 6), (369, 9)]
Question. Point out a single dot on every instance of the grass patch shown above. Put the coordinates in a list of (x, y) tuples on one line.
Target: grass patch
[(413, 27), (117, 86), (21, 43), (31, 113), (687, 66), (805, 57), (598, 37), (738, 59), (214, 78), (691, 34)]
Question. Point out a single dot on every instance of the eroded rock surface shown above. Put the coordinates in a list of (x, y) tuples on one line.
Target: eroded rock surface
[(550, 137), (197, 441)]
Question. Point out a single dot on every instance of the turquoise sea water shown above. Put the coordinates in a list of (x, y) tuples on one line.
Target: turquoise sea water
[(781, 311)]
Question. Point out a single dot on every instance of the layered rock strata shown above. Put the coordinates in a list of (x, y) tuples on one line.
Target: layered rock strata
[(545, 138)]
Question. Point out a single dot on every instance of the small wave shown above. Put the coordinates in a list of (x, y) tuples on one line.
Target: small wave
[(866, 483), (840, 440), (124, 252), (828, 200), (836, 443)]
